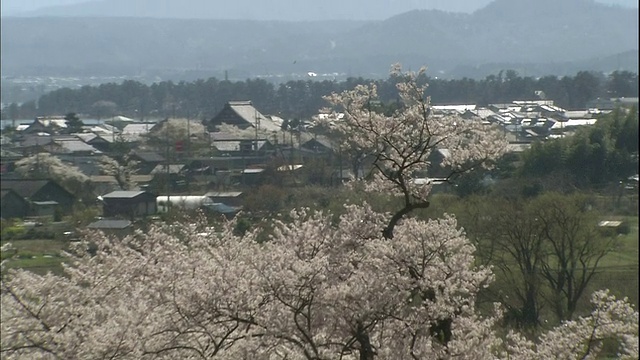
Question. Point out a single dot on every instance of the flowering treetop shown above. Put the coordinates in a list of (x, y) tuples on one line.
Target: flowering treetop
[(401, 143), (317, 289)]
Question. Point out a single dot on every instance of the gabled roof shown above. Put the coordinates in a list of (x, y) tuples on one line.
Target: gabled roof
[(26, 187), (102, 138), (36, 140), (86, 137), (245, 110), (5, 192), (50, 122), (251, 116), (73, 146), (310, 144)]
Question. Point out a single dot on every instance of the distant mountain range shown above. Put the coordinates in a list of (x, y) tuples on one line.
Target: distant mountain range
[(289, 10), (534, 37)]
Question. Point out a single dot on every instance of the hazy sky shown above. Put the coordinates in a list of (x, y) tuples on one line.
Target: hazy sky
[(9, 7)]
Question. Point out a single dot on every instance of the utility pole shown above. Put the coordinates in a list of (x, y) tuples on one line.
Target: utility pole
[(255, 143), (188, 134)]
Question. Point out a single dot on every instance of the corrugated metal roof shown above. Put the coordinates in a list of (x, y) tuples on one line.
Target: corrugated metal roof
[(122, 194), (109, 224)]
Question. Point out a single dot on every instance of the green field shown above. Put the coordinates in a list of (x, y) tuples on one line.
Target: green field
[(39, 256), (627, 252), (618, 270)]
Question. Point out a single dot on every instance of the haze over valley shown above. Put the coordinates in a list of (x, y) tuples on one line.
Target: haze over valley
[(160, 40)]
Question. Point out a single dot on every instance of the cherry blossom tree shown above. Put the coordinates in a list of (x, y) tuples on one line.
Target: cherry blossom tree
[(401, 143), (365, 285), (121, 169), (167, 134), (48, 166)]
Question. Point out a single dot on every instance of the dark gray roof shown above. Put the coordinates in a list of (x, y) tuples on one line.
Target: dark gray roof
[(35, 140), (109, 224), (25, 187), (148, 156)]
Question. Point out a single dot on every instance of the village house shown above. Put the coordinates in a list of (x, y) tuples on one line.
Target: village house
[(12, 205), (231, 198), (48, 124), (128, 204), (243, 115), (40, 190), (147, 160)]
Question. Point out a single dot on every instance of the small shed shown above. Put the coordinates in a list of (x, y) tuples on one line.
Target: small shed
[(13, 205), (128, 204), (45, 208), (232, 198), (117, 227), (251, 177)]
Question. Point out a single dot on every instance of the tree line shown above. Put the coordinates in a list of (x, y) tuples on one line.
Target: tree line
[(592, 157), (202, 99)]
